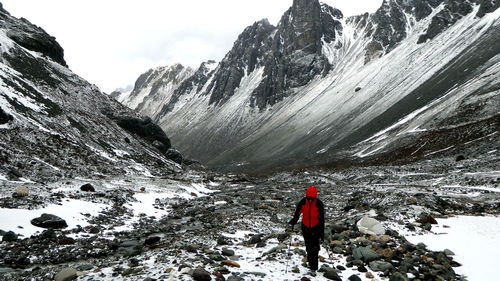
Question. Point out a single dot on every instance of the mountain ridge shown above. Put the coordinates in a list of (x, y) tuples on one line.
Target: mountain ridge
[(54, 124), (300, 101)]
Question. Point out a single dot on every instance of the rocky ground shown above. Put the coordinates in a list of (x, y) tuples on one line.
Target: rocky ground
[(207, 226)]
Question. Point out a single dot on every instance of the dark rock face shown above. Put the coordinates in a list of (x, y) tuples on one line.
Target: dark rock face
[(175, 156), (388, 25), (146, 129), (115, 94), (453, 12), (291, 54), (248, 48), (4, 117), (49, 221), (32, 37), (487, 6), (295, 51)]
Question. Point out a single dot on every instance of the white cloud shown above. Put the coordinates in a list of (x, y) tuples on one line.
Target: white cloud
[(110, 43)]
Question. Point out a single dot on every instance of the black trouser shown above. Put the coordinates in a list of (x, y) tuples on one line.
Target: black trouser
[(311, 238)]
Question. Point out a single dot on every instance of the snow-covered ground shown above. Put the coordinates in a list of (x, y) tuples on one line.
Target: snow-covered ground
[(474, 240), (74, 212)]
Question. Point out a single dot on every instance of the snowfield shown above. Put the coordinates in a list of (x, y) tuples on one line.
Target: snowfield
[(474, 240)]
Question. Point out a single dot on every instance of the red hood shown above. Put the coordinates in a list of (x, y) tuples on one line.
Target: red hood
[(312, 192)]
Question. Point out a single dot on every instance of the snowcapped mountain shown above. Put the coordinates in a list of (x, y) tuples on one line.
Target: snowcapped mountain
[(54, 124), (320, 87)]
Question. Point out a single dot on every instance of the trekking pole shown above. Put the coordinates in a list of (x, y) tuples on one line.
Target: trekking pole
[(288, 251), (327, 251)]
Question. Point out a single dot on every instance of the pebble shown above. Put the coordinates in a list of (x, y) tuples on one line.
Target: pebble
[(230, 263)]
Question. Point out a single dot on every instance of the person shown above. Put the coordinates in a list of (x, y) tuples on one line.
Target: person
[(313, 224)]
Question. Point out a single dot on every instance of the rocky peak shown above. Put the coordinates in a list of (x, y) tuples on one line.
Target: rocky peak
[(304, 20), (243, 58), (31, 37)]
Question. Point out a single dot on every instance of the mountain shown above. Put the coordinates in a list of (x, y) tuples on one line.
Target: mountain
[(54, 124), (321, 88)]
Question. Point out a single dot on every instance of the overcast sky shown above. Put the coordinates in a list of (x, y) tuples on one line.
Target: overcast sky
[(111, 42)]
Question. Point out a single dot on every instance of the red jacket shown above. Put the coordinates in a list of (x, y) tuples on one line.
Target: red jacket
[(312, 210)]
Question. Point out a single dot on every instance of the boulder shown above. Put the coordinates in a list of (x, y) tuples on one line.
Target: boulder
[(152, 240), (147, 130), (380, 266), (21, 191), (175, 156), (331, 274), (66, 274), (227, 252), (87, 188), (9, 237), (426, 219), (365, 254), (370, 226), (354, 278), (201, 274), (49, 221), (398, 277)]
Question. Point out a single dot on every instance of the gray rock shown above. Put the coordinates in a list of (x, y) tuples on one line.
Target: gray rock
[(275, 249), (354, 278), (49, 221), (448, 252), (129, 248), (365, 254), (10, 236), (380, 266), (398, 277), (227, 252), (222, 240), (255, 273), (152, 240), (331, 274), (200, 274), (66, 274), (85, 267), (235, 278), (21, 191)]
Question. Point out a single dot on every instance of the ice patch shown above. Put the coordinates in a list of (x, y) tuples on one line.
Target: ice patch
[(70, 210), (474, 240)]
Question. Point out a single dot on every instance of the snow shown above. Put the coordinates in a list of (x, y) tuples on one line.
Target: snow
[(3, 178), (5, 42), (485, 188), (70, 210), (41, 161), (474, 240)]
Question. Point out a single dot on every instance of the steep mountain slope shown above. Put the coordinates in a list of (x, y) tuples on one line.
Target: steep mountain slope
[(54, 124), (318, 84)]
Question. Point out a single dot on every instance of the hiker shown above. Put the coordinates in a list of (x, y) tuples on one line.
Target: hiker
[(313, 224)]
